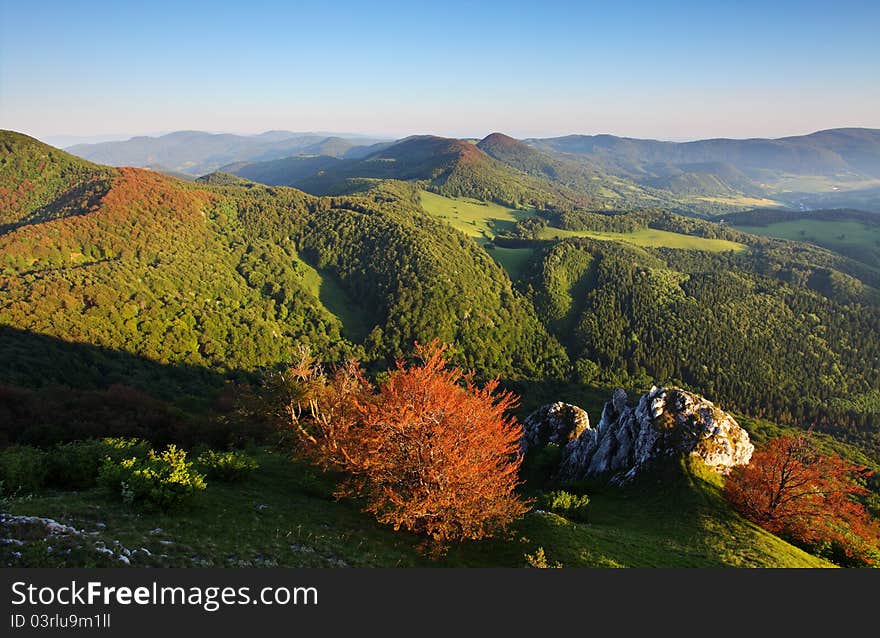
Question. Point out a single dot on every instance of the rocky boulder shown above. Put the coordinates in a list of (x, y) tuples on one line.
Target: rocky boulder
[(666, 422), (557, 423)]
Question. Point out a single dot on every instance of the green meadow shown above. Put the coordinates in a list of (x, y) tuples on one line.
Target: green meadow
[(480, 220), (285, 515), (835, 235), (650, 238), (483, 220), (325, 287)]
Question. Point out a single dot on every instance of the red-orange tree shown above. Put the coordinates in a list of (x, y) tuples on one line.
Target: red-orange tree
[(427, 449), (792, 490)]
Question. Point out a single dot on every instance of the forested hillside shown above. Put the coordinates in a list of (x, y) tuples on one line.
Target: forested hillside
[(764, 331), (230, 277), (221, 278), (826, 169)]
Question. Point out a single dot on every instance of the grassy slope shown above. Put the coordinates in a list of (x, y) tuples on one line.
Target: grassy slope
[(738, 200), (649, 237), (481, 221), (782, 183), (325, 286), (840, 236), (284, 515)]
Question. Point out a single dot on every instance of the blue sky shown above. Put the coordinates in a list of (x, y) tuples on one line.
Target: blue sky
[(670, 70)]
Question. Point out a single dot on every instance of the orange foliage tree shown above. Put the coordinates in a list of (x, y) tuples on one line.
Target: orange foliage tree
[(427, 449), (792, 490)]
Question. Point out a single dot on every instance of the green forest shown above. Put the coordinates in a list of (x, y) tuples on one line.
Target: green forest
[(135, 304)]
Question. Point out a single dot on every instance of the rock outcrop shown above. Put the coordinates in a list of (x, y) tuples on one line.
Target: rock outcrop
[(666, 422), (556, 423)]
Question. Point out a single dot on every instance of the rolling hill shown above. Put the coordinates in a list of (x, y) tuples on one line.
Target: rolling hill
[(448, 166), (707, 177), (852, 233), (821, 153), (798, 171), (497, 168), (197, 153), (228, 274), (828, 169), (137, 304), (222, 275)]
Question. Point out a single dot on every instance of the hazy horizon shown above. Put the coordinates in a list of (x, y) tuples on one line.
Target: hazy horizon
[(671, 71), (67, 141)]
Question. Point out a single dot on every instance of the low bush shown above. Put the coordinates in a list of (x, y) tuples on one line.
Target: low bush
[(160, 480), (23, 469), (76, 465), (227, 467), (571, 506), (539, 560)]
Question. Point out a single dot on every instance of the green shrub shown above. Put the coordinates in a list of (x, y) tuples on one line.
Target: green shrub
[(539, 560), (226, 466), (23, 469), (121, 448), (571, 506), (163, 480), (76, 465)]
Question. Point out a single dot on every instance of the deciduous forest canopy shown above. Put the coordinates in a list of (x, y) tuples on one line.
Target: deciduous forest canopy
[(135, 303)]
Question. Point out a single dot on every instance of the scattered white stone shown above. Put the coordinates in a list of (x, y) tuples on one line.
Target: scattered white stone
[(11, 541), (52, 527), (305, 549)]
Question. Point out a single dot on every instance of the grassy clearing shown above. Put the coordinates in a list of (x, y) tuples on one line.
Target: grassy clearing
[(483, 220), (783, 183), (513, 260), (285, 515), (649, 237), (741, 200), (480, 220), (837, 235), (327, 289)]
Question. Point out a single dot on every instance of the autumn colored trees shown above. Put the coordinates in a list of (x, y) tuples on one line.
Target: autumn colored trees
[(427, 449), (793, 491)]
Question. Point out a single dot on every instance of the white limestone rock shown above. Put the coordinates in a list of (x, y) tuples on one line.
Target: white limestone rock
[(556, 423), (665, 422)]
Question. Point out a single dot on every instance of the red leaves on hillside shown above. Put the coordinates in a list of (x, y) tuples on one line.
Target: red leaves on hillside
[(141, 209), (11, 196), (791, 490), (428, 450)]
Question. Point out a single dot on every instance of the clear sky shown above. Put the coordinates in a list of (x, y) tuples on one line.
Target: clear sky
[(670, 70)]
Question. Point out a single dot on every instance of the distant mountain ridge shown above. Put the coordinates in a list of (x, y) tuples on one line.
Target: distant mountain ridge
[(197, 152), (822, 152), (835, 168), (227, 275)]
